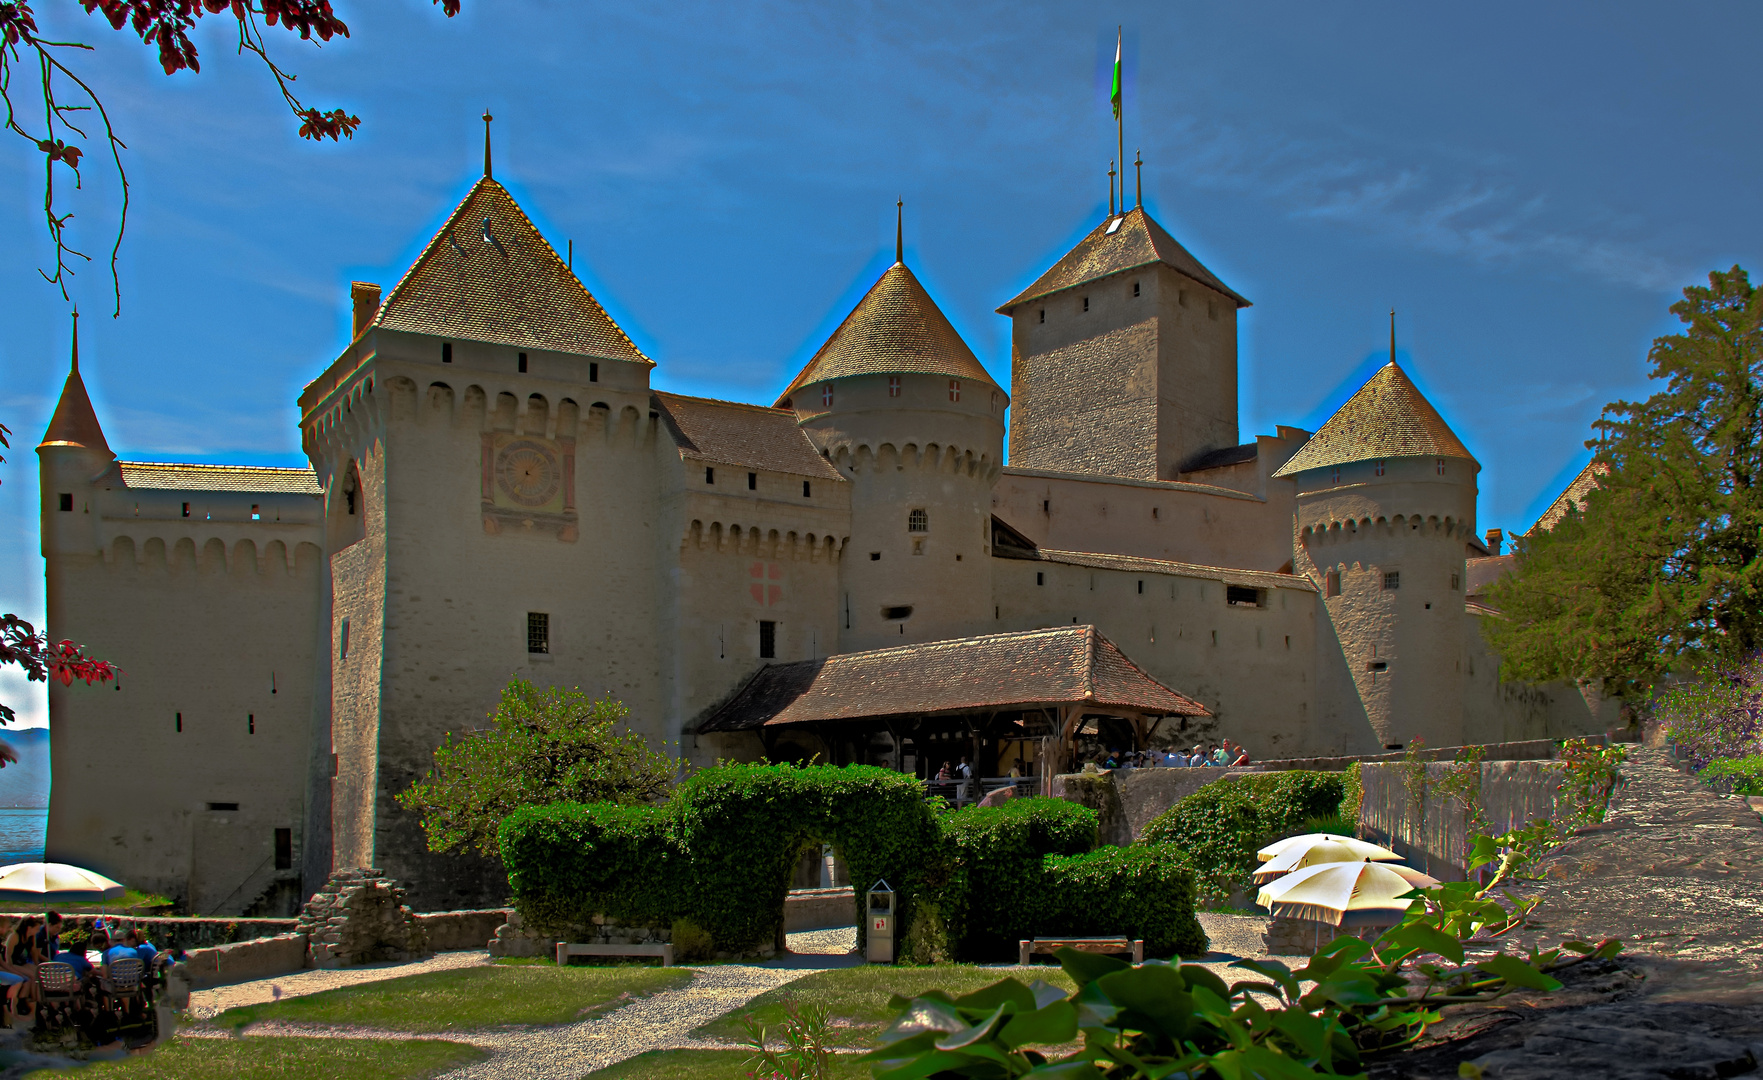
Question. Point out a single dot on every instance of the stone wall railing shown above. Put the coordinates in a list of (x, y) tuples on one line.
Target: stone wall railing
[(1433, 834)]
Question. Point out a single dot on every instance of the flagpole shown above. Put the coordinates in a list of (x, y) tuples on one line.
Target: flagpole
[(1120, 119)]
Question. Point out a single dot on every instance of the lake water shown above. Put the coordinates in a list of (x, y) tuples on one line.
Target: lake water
[(21, 833)]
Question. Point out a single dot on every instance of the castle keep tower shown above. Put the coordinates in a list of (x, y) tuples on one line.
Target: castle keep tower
[(1385, 511), (899, 403), (1123, 357)]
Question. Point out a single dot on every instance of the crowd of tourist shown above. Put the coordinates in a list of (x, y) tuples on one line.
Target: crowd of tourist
[(1222, 755), (94, 976)]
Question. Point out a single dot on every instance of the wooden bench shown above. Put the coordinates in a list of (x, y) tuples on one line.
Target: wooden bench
[(565, 950), (1046, 946)]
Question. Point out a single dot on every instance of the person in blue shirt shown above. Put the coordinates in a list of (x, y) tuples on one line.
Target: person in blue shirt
[(119, 951), (143, 948)]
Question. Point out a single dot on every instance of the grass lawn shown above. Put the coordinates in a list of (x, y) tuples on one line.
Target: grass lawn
[(707, 1065), (857, 997), (288, 1059), (468, 998)]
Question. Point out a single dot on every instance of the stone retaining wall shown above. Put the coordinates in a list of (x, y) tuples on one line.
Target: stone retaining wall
[(452, 931), (246, 960), (819, 909), (1529, 750), (1433, 835)]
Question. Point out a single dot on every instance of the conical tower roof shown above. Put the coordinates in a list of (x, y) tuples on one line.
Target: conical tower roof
[(75, 422), (896, 329), (1110, 249), (1388, 417), (489, 276)]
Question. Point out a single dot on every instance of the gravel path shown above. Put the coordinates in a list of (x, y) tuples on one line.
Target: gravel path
[(207, 1004)]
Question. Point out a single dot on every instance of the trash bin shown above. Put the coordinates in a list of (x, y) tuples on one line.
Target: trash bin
[(881, 923)]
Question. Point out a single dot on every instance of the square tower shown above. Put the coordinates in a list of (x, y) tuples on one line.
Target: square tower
[(1124, 357)]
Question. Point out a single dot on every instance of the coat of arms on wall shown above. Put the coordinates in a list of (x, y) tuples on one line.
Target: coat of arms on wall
[(529, 484)]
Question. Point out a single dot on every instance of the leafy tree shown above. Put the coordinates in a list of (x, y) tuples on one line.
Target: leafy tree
[(543, 746), (1663, 565), (43, 660), (164, 25)]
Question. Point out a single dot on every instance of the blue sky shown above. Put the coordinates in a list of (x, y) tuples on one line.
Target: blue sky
[(1529, 185)]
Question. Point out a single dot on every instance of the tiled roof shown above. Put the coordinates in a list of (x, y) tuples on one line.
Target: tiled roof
[(1068, 665), (896, 329), (167, 476), (1387, 418), (75, 422), (1134, 564), (731, 433), (500, 282), (1139, 241), (1479, 575), (1575, 495), (1218, 459)]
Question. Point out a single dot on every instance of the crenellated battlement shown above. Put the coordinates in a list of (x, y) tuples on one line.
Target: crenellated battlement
[(761, 542), (197, 555), (860, 458), (1432, 526)]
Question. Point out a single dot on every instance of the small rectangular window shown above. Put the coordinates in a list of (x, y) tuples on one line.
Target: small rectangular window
[(284, 849), (767, 640), (893, 386), (186, 509), (1242, 596), (180, 723), (826, 395), (1086, 303), (1377, 469), (806, 493), (1440, 464), (227, 806), (66, 501), (538, 632), (752, 481), (875, 556), (1392, 579), (895, 614), (1141, 588), (593, 372), (1456, 582), (523, 362), (954, 389), (250, 723), (1040, 578), (709, 474), (1043, 314), (256, 512), (917, 521), (343, 641), (1332, 583), (1378, 665), (1335, 477), (446, 352), (1135, 288)]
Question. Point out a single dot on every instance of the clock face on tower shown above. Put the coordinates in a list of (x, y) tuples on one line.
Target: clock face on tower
[(528, 473)]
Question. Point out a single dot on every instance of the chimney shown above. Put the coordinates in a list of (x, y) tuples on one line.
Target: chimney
[(1496, 540), (366, 296)]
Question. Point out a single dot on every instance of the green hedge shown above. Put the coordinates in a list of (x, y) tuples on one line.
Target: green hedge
[(721, 850), (1220, 826)]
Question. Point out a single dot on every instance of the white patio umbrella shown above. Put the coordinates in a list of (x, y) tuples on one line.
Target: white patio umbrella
[(1301, 855), (1344, 893), (56, 881), (1360, 848)]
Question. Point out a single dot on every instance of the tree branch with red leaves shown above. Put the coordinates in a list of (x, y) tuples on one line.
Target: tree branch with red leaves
[(161, 24), (43, 660)]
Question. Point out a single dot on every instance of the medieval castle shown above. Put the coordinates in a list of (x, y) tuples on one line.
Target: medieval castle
[(852, 571)]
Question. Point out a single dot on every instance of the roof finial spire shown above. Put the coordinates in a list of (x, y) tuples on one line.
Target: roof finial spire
[(1117, 98), (1138, 168), (1111, 187), (76, 339), (900, 230), (487, 119), (1392, 335)]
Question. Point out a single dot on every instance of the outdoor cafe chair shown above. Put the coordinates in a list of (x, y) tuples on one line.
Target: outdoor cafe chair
[(58, 987)]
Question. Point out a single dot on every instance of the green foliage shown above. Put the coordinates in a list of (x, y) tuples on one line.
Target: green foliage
[(1664, 561), (993, 893), (1737, 776), (543, 746), (1462, 782), (1589, 773), (691, 942), (1143, 891), (1716, 714), (290, 1058), (1352, 797), (721, 850), (1221, 826), (804, 1054), (1161, 1020)]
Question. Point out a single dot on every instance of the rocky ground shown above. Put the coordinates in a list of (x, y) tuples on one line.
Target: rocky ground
[(1674, 871)]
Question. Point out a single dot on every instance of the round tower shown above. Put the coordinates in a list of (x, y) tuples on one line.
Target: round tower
[(71, 458), (1385, 513), (899, 403)]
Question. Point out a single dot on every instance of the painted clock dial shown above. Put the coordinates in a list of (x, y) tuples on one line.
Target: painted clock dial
[(528, 473)]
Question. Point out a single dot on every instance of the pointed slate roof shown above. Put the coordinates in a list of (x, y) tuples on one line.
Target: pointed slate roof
[(489, 276), (1138, 241), (1064, 665), (75, 422), (1387, 418), (896, 329)]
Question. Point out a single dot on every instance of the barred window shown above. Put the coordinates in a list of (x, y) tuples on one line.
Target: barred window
[(1378, 468), (893, 386), (826, 395), (918, 521), (538, 632), (1392, 579)]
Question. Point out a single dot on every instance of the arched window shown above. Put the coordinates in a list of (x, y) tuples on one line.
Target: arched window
[(917, 521)]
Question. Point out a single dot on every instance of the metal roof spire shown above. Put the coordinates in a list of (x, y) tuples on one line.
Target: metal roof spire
[(1111, 187), (487, 119), (1138, 168), (900, 230), (1392, 335), (76, 339)]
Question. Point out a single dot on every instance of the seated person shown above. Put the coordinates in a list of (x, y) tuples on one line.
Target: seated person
[(143, 948), (117, 951), (21, 954), (49, 937)]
